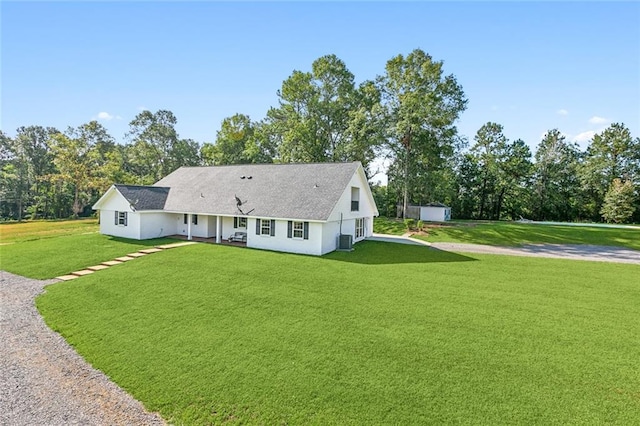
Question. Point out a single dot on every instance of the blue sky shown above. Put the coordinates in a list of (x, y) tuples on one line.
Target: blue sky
[(529, 66)]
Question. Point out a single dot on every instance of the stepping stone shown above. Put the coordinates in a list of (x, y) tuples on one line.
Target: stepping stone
[(67, 277), (136, 254), (82, 273), (111, 262), (124, 258), (173, 245), (97, 267), (150, 250)]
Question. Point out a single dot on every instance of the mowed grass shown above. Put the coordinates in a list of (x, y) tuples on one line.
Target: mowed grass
[(386, 334), (51, 257), (13, 232), (515, 234)]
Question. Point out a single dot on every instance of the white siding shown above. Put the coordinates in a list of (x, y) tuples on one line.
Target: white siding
[(366, 208), (228, 229), (330, 232), (116, 202), (205, 228), (280, 242), (156, 224), (436, 214), (108, 226)]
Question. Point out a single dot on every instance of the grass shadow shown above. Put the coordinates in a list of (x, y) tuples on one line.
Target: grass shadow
[(387, 253)]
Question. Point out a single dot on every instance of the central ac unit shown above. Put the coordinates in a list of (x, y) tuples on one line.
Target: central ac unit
[(345, 242)]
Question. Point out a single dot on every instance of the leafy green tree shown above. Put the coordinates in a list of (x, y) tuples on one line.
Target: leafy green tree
[(31, 159), (420, 106), (494, 176), (75, 164), (322, 116), (156, 149), (239, 141), (514, 181), (185, 152), (468, 186), (103, 154), (612, 154), (556, 185), (489, 149), (618, 206)]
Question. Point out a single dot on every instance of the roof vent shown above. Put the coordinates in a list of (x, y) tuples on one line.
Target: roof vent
[(315, 185), (249, 177), (242, 177)]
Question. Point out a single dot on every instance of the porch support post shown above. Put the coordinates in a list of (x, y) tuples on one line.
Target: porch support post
[(218, 230), (189, 227)]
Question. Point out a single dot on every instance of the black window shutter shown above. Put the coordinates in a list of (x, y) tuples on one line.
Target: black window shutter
[(257, 226), (306, 230), (116, 212), (289, 229), (185, 218), (195, 219), (126, 215), (273, 227), (235, 222)]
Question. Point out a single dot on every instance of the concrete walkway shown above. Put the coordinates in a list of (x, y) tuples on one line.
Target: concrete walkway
[(400, 239), (555, 251), (118, 260)]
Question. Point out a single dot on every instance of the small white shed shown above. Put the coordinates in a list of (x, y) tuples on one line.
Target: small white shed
[(435, 212)]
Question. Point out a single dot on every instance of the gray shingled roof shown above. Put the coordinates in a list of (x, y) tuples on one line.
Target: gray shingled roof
[(292, 191), (144, 197)]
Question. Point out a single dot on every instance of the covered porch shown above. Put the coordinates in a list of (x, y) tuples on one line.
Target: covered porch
[(209, 240), (211, 228)]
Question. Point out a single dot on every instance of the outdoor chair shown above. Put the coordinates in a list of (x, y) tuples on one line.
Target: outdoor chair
[(239, 237)]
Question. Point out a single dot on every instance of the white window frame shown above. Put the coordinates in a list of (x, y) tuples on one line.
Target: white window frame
[(265, 225), (242, 222), (359, 227), (122, 218), (297, 230)]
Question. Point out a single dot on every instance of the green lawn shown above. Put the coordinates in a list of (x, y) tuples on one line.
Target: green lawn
[(49, 257), (386, 334), (514, 234), (12, 232)]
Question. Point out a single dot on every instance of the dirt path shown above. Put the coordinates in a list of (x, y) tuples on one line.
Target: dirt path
[(43, 381), (556, 251)]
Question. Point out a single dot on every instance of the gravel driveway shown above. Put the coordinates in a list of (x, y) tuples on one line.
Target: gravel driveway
[(556, 251), (43, 381)]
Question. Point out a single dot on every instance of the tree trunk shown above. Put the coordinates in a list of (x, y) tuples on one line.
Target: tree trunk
[(76, 203), (406, 141), (499, 205), (483, 198)]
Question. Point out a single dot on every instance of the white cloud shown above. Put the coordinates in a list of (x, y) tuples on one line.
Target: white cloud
[(598, 120), (105, 116), (562, 112), (584, 136)]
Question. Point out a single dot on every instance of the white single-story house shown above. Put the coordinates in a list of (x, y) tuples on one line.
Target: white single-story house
[(297, 208)]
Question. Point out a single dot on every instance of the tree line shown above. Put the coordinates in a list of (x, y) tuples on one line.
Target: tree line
[(407, 115)]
